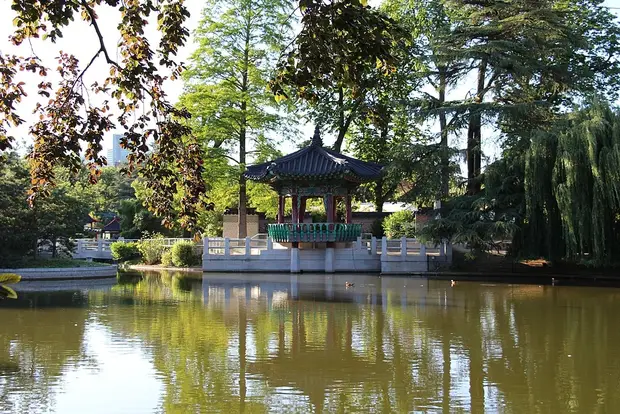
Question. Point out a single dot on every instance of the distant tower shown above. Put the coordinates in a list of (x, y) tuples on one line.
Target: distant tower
[(117, 155)]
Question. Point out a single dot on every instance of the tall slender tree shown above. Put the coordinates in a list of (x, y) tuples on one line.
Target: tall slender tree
[(438, 70), (226, 83)]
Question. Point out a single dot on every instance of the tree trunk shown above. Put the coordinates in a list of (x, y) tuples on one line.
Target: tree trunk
[(444, 188), (341, 123), (379, 196), (474, 137), (243, 197)]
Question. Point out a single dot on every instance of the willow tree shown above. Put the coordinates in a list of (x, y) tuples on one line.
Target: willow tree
[(585, 184), (226, 82)]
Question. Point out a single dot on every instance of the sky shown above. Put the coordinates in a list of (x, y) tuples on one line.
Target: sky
[(80, 39)]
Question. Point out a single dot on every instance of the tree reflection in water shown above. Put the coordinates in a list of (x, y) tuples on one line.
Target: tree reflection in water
[(257, 343), (41, 335)]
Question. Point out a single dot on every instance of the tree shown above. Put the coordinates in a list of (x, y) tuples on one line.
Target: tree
[(529, 57), (54, 220), (17, 236), (437, 69), (557, 198), (58, 219), (135, 84), (138, 71), (225, 84), (336, 58)]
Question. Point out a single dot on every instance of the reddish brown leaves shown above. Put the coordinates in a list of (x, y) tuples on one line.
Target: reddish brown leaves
[(70, 125)]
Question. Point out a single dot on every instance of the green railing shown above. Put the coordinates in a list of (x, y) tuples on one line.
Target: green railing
[(314, 232)]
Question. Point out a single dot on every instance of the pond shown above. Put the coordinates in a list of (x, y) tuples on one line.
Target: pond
[(177, 343)]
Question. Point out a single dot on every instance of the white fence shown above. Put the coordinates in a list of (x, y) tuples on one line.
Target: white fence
[(369, 255), (100, 249), (388, 256)]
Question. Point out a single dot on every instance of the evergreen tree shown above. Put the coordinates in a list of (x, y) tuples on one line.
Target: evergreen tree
[(529, 57), (226, 83), (438, 70)]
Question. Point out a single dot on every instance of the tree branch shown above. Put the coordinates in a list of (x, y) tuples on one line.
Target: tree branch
[(93, 20)]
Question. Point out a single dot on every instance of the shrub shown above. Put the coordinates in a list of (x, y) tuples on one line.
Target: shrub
[(151, 250), (400, 224), (183, 254), (166, 258), (124, 251)]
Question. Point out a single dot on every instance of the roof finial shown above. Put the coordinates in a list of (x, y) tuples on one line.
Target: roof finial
[(316, 138)]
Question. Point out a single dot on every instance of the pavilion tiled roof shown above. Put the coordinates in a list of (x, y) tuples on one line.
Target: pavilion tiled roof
[(315, 162)]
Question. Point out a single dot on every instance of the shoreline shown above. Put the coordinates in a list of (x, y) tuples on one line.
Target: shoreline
[(160, 267), (533, 278), (64, 273)]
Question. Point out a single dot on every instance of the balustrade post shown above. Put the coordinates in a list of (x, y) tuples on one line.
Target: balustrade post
[(99, 245), (248, 248), (226, 247), (423, 250), (448, 251), (403, 247), (358, 243), (205, 248), (269, 243), (384, 248), (373, 245), (80, 247)]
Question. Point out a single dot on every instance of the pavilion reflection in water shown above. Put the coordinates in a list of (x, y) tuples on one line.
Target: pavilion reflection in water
[(342, 359), (285, 343)]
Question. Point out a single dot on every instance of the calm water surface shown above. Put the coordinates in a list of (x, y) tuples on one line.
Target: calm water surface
[(174, 343)]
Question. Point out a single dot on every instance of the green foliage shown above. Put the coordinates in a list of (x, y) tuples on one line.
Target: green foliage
[(124, 251), (59, 218), (166, 258), (482, 220), (151, 249), (69, 124), (184, 254), (226, 90), (340, 43), (579, 196), (52, 222), (399, 224), (5, 291), (556, 197), (17, 233)]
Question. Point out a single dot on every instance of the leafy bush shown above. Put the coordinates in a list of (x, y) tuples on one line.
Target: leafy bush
[(151, 250), (183, 254), (166, 258), (399, 224), (124, 251)]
